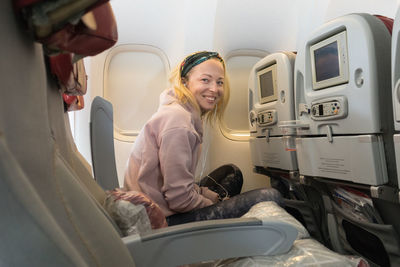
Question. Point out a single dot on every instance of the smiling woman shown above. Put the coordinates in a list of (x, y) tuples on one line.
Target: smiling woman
[(201, 80), (165, 155), (206, 84)]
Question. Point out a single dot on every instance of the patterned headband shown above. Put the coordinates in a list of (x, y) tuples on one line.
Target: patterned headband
[(196, 59)]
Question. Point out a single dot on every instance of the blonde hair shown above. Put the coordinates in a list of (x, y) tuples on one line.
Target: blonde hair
[(184, 95)]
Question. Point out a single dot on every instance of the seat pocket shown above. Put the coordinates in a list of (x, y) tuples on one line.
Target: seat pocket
[(379, 243)]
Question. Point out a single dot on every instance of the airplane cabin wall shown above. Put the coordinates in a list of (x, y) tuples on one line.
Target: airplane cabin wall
[(180, 27)]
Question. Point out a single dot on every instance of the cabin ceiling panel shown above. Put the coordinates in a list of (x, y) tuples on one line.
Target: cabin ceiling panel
[(256, 24), (199, 20), (339, 8), (179, 27), (154, 22), (314, 13)]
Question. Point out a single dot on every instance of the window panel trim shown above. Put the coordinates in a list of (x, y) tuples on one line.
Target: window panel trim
[(120, 134), (232, 134)]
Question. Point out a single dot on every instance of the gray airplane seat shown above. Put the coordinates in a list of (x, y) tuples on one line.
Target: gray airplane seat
[(305, 203), (61, 133), (396, 89), (344, 129), (51, 208), (49, 218), (102, 143), (272, 141)]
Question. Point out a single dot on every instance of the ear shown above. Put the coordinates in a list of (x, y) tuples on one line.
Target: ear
[(184, 81)]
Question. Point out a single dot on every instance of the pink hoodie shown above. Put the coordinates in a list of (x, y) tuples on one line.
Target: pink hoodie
[(164, 158)]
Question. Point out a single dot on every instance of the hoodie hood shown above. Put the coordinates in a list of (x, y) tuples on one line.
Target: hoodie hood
[(168, 97)]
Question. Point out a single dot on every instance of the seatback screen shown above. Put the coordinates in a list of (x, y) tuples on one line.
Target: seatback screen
[(266, 84), (327, 62)]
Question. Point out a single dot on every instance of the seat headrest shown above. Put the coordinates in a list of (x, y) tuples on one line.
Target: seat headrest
[(85, 28), (387, 21)]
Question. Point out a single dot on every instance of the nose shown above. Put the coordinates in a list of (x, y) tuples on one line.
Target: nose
[(213, 87)]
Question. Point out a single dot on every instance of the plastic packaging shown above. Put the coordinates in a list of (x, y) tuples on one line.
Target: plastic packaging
[(134, 212), (305, 252), (274, 212), (290, 131)]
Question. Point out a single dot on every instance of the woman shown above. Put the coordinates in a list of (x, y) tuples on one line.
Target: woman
[(163, 161)]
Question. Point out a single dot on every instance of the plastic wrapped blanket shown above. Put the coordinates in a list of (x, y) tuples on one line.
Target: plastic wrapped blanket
[(134, 212), (305, 251), (131, 219), (273, 211)]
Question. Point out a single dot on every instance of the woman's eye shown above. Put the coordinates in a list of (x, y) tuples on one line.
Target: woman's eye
[(220, 83), (204, 80)]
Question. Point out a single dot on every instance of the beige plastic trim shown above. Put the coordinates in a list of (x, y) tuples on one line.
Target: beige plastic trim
[(120, 134), (233, 134)]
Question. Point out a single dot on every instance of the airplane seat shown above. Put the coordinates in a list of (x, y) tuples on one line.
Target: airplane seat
[(272, 141), (395, 74), (395, 64), (66, 148), (344, 140), (102, 143), (61, 132), (51, 213), (305, 203), (45, 209)]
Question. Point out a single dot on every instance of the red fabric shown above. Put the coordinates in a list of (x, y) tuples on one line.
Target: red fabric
[(81, 40), (363, 263), (61, 33), (20, 4), (23, 3), (156, 216), (61, 66), (71, 76), (387, 21), (69, 99), (73, 102)]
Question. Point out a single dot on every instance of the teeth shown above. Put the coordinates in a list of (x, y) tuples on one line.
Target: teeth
[(210, 98)]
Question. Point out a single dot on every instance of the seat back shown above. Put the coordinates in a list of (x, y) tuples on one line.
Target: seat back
[(102, 143), (396, 88), (342, 77), (51, 207), (271, 88), (342, 87)]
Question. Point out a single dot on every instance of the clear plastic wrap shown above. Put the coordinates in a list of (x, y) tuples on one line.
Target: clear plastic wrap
[(304, 252), (134, 212), (131, 219), (272, 211)]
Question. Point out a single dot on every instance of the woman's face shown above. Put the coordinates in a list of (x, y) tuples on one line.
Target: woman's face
[(206, 82)]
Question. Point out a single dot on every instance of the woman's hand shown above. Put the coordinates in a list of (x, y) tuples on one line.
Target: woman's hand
[(211, 195)]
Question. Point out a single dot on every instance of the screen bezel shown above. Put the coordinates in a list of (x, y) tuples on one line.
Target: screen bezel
[(274, 96), (341, 39)]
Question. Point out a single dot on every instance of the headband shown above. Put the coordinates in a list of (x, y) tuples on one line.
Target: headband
[(196, 59)]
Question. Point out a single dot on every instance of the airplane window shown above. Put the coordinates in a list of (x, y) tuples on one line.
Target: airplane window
[(239, 65), (132, 77)]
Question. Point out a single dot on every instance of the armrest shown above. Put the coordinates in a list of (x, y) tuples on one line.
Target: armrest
[(209, 240)]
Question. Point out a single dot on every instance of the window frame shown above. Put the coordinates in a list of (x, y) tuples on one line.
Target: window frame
[(121, 134), (232, 134)]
